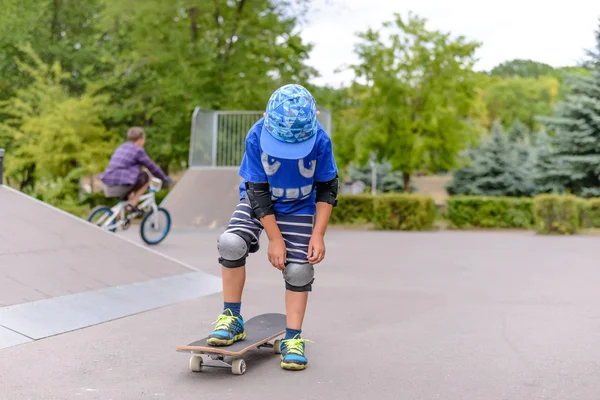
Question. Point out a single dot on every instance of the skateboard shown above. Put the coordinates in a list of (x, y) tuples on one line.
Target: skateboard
[(259, 331)]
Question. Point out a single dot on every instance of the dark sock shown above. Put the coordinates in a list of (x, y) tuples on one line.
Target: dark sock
[(290, 333), (234, 307)]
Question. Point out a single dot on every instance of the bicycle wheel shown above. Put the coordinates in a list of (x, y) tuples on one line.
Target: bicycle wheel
[(102, 213), (159, 224)]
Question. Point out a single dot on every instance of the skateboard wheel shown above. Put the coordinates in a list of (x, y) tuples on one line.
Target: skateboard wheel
[(238, 367), (196, 363), (276, 348)]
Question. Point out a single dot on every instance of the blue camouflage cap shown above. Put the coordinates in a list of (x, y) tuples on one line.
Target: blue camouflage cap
[(290, 127)]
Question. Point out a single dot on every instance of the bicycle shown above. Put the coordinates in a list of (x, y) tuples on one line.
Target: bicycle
[(116, 217)]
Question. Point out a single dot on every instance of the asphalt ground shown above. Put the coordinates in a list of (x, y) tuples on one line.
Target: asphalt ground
[(393, 315)]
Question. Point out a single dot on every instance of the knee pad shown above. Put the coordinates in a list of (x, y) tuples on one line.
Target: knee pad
[(299, 277), (233, 249)]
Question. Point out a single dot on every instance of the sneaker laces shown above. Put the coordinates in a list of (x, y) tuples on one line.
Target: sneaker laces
[(224, 322), (295, 345)]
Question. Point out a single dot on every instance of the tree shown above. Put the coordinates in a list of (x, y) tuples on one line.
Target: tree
[(593, 55), (51, 133), (523, 99), (64, 31), (221, 54), (344, 104), (519, 132), (576, 124), (523, 68), (388, 181), (420, 96), (498, 168), (548, 173)]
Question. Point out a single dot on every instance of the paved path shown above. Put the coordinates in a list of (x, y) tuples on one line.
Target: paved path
[(393, 316)]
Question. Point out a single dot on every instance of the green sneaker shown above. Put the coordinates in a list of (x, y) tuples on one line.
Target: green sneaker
[(292, 353), (228, 330)]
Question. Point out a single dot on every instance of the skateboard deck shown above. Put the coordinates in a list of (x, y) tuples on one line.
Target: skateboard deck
[(259, 331)]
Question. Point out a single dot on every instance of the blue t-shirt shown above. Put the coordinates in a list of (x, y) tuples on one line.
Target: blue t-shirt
[(292, 182)]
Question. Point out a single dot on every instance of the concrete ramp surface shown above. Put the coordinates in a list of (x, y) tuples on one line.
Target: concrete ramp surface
[(59, 269), (204, 197)]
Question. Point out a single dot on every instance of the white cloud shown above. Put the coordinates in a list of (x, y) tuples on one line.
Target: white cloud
[(552, 32)]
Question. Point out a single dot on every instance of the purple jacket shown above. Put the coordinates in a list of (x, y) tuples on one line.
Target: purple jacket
[(125, 166)]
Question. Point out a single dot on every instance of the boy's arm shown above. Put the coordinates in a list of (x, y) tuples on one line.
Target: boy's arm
[(259, 197), (326, 200), (152, 167)]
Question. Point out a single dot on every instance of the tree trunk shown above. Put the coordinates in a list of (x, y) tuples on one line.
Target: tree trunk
[(194, 23), (54, 24), (406, 179)]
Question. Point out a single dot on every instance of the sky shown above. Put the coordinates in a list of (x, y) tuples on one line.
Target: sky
[(556, 33)]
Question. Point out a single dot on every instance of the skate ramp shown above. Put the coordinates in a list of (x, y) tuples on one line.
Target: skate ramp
[(59, 273), (204, 198)]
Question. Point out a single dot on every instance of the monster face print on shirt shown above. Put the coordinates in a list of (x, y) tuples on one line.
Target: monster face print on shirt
[(291, 181), (295, 172)]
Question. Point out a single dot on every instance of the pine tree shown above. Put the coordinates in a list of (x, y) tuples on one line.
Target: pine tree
[(547, 173), (388, 181), (498, 168), (577, 142), (519, 132)]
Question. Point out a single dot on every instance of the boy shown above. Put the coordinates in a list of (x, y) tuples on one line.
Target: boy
[(290, 186), (123, 178)]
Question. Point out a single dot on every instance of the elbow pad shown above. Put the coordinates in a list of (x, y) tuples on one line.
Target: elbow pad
[(327, 191), (259, 197)]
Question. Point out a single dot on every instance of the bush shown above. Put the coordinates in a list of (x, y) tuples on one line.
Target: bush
[(490, 212), (98, 198), (589, 213), (557, 214), (353, 209), (407, 212)]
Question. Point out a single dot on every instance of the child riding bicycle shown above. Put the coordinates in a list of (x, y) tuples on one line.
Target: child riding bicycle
[(124, 178)]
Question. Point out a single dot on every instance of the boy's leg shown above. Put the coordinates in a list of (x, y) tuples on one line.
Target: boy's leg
[(298, 275), (239, 239), (140, 187)]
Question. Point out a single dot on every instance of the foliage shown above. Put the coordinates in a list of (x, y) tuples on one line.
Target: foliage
[(91, 200), (547, 170), (49, 133), (420, 94), (490, 212), (344, 105), (576, 155), (589, 213), (521, 99), (522, 68), (498, 167), (60, 191), (353, 209), (407, 212), (58, 31), (388, 181), (556, 214), (222, 54)]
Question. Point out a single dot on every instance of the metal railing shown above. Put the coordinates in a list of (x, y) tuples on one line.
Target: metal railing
[(1, 166), (218, 137)]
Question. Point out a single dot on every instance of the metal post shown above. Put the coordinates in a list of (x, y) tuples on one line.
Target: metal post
[(215, 125), (193, 137), (1, 165), (373, 178)]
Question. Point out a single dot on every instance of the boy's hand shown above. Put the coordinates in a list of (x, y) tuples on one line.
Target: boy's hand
[(277, 253), (316, 248)]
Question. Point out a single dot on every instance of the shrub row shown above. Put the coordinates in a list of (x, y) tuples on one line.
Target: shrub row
[(409, 212), (490, 212), (92, 200), (547, 214)]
